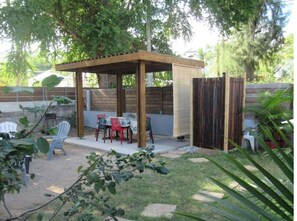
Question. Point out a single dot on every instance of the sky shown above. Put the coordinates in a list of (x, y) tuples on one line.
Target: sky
[(202, 36)]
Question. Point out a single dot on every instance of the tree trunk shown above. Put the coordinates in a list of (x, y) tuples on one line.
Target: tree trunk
[(250, 71), (106, 80)]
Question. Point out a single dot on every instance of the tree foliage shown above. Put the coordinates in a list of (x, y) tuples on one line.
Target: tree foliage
[(224, 58), (81, 29), (261, 38)]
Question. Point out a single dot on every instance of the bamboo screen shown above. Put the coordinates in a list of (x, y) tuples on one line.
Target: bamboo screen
[(209, 112), (182, 98)]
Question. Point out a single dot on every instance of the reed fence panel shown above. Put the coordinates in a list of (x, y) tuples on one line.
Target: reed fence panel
[(209, 106)]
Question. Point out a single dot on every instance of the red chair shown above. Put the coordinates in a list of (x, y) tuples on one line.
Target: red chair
[(100, 126), (116, 126)]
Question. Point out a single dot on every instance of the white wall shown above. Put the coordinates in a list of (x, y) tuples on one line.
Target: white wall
[(161, 124)]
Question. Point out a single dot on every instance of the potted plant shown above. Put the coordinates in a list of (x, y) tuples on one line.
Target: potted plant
[(271, 110)]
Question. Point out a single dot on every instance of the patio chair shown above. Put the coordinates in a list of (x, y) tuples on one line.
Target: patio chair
[(248, 136), (101, 126), (59, 138), (9, 128), (149, 128), (117, 127)]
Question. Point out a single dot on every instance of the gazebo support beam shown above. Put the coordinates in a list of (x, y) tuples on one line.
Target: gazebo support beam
[(119, 95), (79, 103), (141, 105)]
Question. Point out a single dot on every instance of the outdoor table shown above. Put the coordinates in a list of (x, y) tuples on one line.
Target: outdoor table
[(125, 122)]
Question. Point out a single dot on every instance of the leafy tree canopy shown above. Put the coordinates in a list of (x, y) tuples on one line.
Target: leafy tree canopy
[(81, 29)]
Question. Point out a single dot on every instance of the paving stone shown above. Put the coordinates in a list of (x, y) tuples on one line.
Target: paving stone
[(206, 196), (235, 185), (170, 155), (208, 151), (56, 189), (198, 160), (178, 152), (118, 218), (189, 149), (159, 210), (251, 168)]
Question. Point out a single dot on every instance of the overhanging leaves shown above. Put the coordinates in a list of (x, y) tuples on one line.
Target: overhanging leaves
[(51, 81), (42, 145)]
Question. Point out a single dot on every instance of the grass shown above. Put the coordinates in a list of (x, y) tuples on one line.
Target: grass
[(178, 187)]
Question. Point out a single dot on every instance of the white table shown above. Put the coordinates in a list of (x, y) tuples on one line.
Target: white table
[(125, 122)]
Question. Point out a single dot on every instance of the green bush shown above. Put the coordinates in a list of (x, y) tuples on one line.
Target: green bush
[(267, 196)]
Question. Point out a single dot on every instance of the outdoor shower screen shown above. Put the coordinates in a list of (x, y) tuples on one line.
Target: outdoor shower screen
[(182, 98)]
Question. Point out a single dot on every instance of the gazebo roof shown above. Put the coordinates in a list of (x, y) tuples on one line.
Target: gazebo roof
[(137, 63), (127, 63)]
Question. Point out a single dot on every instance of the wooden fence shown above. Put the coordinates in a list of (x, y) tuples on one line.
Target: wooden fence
[(40, 94), (159, 100), (217, 115), (252, 90)]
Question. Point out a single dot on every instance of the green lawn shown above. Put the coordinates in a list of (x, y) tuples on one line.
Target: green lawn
[(178, 187)]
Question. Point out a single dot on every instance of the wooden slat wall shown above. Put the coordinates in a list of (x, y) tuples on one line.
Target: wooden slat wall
[(103, 100), (209, 109), (39, 94), (157, 100), (235, 110), (208, 112), (167, 95), (130, 100), (252, 90)]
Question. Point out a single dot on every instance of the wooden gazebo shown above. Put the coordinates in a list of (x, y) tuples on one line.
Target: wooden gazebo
[(137, 63)]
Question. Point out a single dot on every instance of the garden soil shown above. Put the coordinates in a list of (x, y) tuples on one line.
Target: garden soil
[(51, 177)]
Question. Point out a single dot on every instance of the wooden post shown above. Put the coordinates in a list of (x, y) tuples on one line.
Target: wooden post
[(141, 105), (191, 112), (226, 120), (119, 95), (243, 103), (79, 104)]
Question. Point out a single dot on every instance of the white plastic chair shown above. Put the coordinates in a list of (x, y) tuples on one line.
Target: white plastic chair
[(57, 142), (249, 126), (251, 139), (9, 128)]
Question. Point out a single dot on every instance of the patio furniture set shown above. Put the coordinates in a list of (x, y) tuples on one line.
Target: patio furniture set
[(117, 125)]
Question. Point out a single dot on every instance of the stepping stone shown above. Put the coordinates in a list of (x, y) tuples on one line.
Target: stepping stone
[(206, 196), (178, 152), (198, 160), (56, 189), (251, 168), (170, 155), (189, 149), (159, 210), (235, 185), (208, 151), (118, 218)]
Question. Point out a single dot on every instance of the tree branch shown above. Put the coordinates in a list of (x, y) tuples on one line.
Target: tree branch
[(61, 22), (36, 125), (61, 194), (5, 206)]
